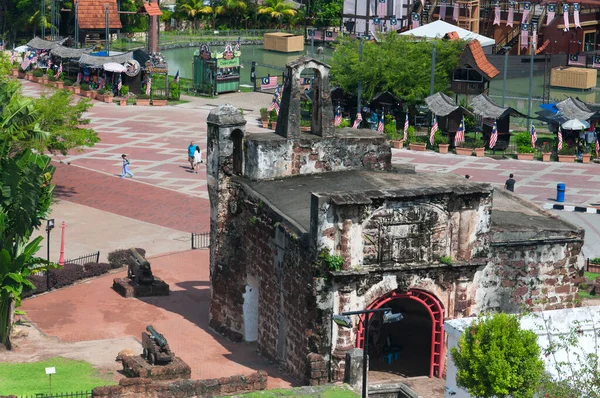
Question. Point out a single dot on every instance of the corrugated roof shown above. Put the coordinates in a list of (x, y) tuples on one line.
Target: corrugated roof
[(69, 52), (40, 44), (575, 109), (152, 9), (481, 60), (441, 104), (91, 14), (94, 60), (485, 107)]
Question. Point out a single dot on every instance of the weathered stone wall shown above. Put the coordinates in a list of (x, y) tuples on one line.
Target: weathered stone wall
[(147, 388), (268, 156)]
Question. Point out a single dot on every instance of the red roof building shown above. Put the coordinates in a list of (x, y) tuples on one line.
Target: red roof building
[(91, 14)]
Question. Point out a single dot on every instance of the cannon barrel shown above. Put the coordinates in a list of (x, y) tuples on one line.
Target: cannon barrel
[(157, 337), (142, 262)]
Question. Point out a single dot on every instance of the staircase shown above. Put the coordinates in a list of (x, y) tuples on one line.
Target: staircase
[(430, 11), (539, 14), (512, 37)]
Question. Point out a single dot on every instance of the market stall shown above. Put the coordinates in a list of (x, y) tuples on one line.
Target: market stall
[(216, 72)]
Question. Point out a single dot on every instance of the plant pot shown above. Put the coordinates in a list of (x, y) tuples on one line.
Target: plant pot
[(463, 151), (443, 148), (274, 125), (108, 99), (585, 158), (60, 84), (35, 79), (21, 75), (159, 102), (566, 158), (265, 124), (28, 76), (44, 80), (86, 93), (123, 101), (398, 144), (417, 147), (480, 152), (142, 102), (525, 156), (15, 73), (76, 90), (305, 129), (546, 157)]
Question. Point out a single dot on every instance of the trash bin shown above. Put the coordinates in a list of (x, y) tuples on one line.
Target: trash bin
[(560, 192)]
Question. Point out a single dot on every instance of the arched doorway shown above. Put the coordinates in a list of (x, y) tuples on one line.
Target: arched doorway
[(419, 336)]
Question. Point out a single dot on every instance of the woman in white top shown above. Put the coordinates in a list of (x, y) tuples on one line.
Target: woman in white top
[(197, 159)]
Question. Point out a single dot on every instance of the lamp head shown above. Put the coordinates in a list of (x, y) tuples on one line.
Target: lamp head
[(50, 224), (389, 317), (343, 321)]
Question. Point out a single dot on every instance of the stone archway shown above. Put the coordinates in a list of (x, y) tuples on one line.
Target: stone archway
[(434, 308)]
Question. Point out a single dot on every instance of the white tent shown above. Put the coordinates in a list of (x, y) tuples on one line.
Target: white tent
[(439, 29)]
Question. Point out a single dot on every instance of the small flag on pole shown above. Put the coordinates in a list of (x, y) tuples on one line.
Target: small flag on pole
[(149, 85), (597, 145), (338, 116), (406, 125), (275, 102), (268, 82), (494, 136), (434, 130), (58, 71), (566, 16), (533, 135), (551, 13), (176, 80), (119, 83), (511, 14), (357, 121), (560, 141), (460, 133), (381, 125)]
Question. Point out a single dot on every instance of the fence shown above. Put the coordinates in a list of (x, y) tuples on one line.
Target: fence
[(80, 394), (89, 258), (589, 267), (201, 240)]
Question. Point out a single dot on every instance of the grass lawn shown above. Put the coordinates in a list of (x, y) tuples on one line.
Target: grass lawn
[(316, 392), (31, 378), (591, 277)]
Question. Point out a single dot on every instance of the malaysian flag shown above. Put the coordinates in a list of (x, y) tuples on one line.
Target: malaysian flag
[(577, 59), (560, 142), (338, 116), (551, 13), (119, 83), (434, 130), (533, 135), (524, 35), (511, 14), (443, 4), (275, 102), (526, 10), (496, 12), (176, 80), (406, 125), (596, 61), (268, 82), (149, 85), (576, 15), (381, 125), (494, 136), (460, 133), (566, 15), (58, 71), (79, 75), (597, 145), (415, 20), (357, 121)]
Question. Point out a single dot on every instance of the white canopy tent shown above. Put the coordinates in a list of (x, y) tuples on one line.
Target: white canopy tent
[(439, 29)]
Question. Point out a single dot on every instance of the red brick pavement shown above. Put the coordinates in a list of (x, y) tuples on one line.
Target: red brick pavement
[(129, 198)]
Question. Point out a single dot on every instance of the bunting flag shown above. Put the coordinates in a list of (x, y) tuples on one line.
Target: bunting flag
[(455, 12), (338, 116), (511, 14), (415, 20), (533, 135), (381, 125), (382, 8), (560, 142), (58, 71), (596, 61), (274, 103), (534, 34), (551, 10), (176, 80), (443, 4), (526, 10), (524, 35), (406, 125), (393, 21), (494, 136), (566, 16), (576, 15), (376, 21), (149, 85), (460, 133), (497, 12), (357, 121), (577, 60), (434, 130), (597, 145), (79, 75)]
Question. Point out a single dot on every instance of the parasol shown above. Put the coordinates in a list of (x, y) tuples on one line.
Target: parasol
[(575, 124), (114, 67)]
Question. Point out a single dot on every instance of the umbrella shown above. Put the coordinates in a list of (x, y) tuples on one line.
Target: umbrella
[(575, 124), (114, 67), (21, 49)]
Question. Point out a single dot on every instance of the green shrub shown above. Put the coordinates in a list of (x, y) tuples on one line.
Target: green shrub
[(566, 150), (52, 78), (264, 114), (304, 123), (522, 138), (389, 128), (476, 143), (121, 257), (124, 90), (273, 116), (446, 260), (38, 73), (84, 86), (440, 138), (344, 123), (68, 82), (174, 89), (410, 135), (525, 149), (101, 91), (142, 96), (159, 97)]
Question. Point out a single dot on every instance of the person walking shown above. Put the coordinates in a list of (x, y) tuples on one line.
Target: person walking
[(191, 152), (510, 183), (126, 170), (197, 159)]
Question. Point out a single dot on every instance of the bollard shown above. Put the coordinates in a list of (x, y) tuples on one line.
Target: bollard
[(560, 192)]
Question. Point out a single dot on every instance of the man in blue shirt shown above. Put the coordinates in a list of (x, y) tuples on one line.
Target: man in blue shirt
[(191, 150)]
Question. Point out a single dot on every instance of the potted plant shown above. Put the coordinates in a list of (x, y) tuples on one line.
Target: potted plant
[(76, 89), (264, 117), (525, 152), (273, 119), (68, 84), (99, 94), (464, 149), (586, 157), (305, 125), (59, 82), (124, 95), (85, 90), (479, 147), (21, 73), (546, 152), (391, 132), (441, 142), (142, 100), (37, 75), (566, 154), (50, 80), (159, 100), (418, 144)]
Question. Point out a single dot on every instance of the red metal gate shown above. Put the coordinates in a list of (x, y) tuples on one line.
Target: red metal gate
[(436, 312)]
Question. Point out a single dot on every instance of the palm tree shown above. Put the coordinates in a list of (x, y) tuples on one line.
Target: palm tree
[(193, 8), (277, 9), (235, 9)]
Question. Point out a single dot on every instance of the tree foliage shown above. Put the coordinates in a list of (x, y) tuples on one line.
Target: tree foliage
[(326, 12), (396, 64), (496, 358)]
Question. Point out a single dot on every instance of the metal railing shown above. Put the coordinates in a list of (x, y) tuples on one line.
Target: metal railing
[(80, 394), (201, 240), (88, 258)]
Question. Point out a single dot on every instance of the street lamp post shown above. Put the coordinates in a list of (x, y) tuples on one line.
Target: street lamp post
[(360, 52), (345, 321), (532, 53), (506, 50), (49, 228)]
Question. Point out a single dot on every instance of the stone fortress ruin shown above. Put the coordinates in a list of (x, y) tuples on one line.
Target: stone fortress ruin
[(431, 246)]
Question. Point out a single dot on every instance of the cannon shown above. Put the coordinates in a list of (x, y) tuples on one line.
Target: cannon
[(139, 269), (156, 349)]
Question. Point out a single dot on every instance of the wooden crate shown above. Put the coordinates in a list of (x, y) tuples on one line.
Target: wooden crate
[(580, 78), (283, 42)]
